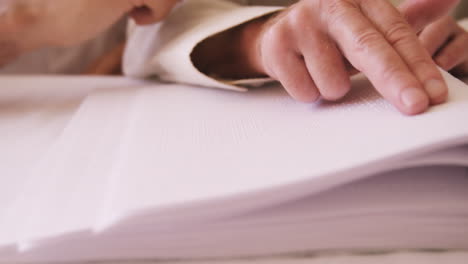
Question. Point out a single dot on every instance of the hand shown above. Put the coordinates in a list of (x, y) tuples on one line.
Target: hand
[(447, 43), (304, 46), (31, 24), (312, 46)]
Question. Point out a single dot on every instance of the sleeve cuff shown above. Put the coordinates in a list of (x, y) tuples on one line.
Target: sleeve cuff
[(165, 49), (464, 23)]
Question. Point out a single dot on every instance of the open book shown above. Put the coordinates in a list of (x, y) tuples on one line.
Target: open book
[(105, 169)]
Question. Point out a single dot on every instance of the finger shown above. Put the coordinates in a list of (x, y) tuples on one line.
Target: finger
[(454, 53), (283, 63), (420, 13), (151, 11), (434, 36), (406, 43), (142, 15), (368, 51), (290, 70), (325, 65)]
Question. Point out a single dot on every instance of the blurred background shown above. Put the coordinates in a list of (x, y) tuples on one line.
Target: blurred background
[(462, 10)]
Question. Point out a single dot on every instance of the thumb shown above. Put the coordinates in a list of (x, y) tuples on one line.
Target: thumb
[(421, 13), (152, 11)]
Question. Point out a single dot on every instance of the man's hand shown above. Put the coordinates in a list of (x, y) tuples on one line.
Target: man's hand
[(30, 24), (447, 43), (304, 47), (311, 47)]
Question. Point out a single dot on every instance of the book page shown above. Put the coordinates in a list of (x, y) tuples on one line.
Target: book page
[(364, 215), (32, 116), (190, 145), (42, 130), (175, 146), (160, 146)]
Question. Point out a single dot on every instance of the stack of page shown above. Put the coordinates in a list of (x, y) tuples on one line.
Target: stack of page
[(110, 168)]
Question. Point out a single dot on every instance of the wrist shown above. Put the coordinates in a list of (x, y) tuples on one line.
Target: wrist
[(250, 37), (232, 54)]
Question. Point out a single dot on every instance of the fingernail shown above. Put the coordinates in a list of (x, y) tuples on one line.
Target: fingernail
[(414, 99), (437, 90)]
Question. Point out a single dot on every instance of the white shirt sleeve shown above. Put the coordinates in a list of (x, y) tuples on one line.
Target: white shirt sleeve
[(164, 50), (464, 24)]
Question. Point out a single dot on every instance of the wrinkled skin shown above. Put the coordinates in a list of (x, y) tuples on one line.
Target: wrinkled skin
[(310, 47)]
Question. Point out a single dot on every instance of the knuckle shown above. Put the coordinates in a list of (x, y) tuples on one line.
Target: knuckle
[(273, 46), (399, 32), (420, 62), (298, 18), (366, 39), (277, 34), (336, 9), (446, 23)]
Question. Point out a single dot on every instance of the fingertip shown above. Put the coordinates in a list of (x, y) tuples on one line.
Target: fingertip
[(310, 96), (143, 15), (337, 93), (414, 101), (437, 91)]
